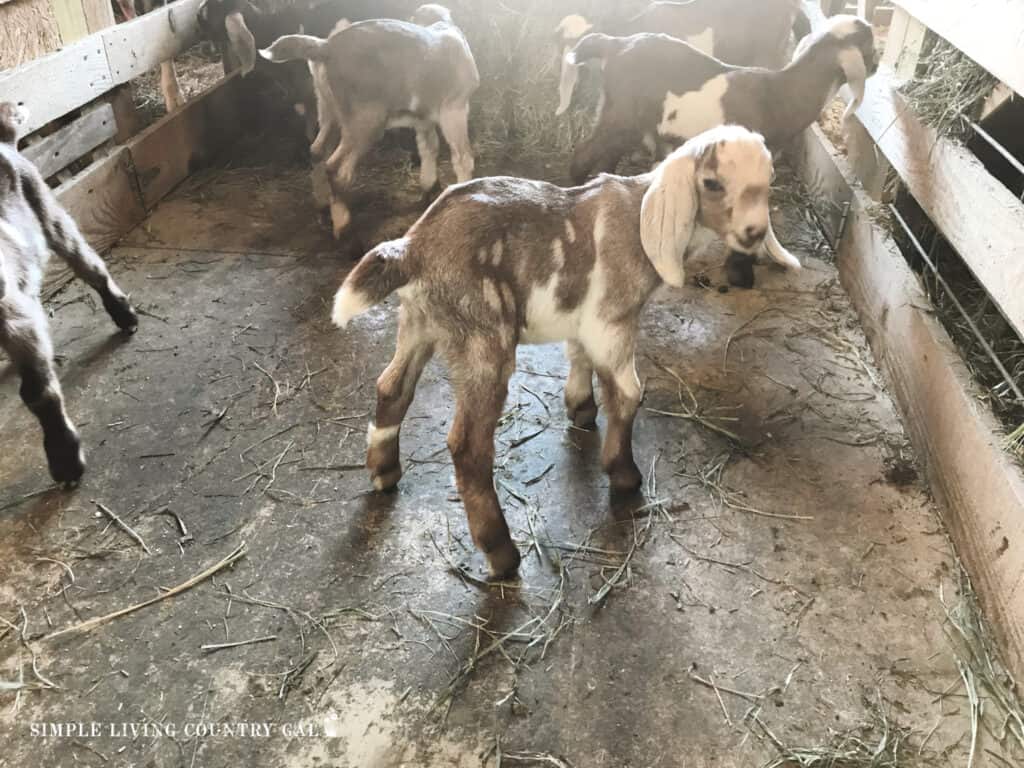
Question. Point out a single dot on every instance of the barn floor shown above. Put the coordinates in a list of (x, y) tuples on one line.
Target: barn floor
[(796, 567)]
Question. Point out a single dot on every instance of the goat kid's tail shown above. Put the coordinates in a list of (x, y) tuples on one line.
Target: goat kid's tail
[(380, 273), (292, 47)]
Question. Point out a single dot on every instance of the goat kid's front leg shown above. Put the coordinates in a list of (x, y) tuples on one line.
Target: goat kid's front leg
[(26, 339), (64, 239), (396, 388), (579, 388), (621, 393), (480, 397), (455, 127)]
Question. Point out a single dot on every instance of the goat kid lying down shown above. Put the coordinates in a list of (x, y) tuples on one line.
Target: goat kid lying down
[(498, 262), (658, 89), (382, 74), (32, 224)]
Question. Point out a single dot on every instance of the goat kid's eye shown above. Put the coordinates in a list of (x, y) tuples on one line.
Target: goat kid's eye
[(711, 185)]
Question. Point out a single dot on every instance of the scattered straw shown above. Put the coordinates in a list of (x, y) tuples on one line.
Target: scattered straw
[(87, 626)]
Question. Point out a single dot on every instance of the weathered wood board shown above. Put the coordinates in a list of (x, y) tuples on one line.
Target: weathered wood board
[(140, 45), (54, 85), (104, 199), (61, 148), (172, 148), (989, 31), (979, 217), (981, 490)]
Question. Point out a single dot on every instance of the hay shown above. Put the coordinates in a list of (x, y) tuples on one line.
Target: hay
[(28, 29), (518, 58), (950, 88)]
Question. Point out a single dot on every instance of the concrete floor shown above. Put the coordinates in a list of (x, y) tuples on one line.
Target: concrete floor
[(800, 563)]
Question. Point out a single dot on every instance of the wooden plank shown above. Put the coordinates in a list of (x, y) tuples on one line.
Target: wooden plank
[(99, 14), (980, 490), (989, 31), (54, 85), (980, 217), (104, 199), (172, 148), (61, 148), (904, 44), (71, 20), (141, 45)]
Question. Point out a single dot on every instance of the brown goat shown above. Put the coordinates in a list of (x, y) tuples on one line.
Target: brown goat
[(498, 262), (381, 74), (32, 225)]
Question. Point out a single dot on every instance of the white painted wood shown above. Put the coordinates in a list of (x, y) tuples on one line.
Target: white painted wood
[(53, 85), (989, 31), (141, 45)]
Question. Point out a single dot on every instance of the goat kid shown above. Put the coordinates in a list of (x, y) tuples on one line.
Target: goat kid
[(740, 32), (32, 224), (498, 262), (660, 89), (380, 74)]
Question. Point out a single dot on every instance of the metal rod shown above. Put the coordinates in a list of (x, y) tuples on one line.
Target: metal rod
[(992, 142), (963, 312)]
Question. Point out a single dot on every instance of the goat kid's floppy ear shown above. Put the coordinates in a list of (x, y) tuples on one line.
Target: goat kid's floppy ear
[(668, 216), (856, 72), (567, 83), (243, 44)]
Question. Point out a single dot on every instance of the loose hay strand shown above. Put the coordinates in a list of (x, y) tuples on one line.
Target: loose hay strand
[(87, 626)]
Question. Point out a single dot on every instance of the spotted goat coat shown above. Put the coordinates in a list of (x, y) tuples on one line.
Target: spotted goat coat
[(498, 262)]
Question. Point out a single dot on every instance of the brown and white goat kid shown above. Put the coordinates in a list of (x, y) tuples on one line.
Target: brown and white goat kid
[(658, 89), (32, 224), (741, 32), (382, 74), (498, 262)]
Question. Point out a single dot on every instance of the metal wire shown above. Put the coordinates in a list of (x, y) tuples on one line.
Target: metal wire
[(960, 307)]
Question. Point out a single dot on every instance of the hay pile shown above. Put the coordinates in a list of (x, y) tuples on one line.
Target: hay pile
[(515, 48), (950, 88)]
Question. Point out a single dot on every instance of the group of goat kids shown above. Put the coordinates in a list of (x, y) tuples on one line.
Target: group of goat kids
[(495, 262)]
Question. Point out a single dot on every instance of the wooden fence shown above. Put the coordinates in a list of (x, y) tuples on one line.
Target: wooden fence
[(83, 86), (979, 486)]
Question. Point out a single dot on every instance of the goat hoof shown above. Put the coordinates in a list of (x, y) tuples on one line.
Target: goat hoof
[(739, 270), (584, 415), (386, 480), (504, 561), (430, 195), (65, 458), (122, 313)]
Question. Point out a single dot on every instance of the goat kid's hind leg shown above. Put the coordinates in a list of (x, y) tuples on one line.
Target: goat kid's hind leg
[(396, 388), (26, 339), (357, 138), (428, 145), (455, 127), (480, 396), (621, 394), (64, 238), (579, 388)]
